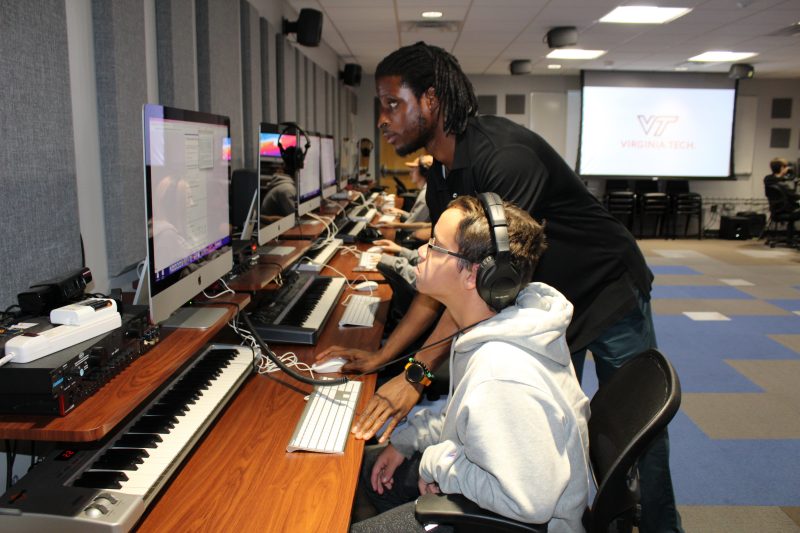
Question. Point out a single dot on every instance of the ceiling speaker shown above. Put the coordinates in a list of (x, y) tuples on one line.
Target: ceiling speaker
[(562, 36), (308, 27), (351, 75), (740, 71), (520, 66)]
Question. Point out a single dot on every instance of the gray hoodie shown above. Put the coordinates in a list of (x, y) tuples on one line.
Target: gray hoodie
[(513, 436)]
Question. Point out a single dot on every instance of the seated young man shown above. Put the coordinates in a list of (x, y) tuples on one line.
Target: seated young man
[(513, 436)]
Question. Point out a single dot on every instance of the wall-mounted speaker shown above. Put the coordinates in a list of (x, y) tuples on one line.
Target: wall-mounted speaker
[(520, 66), (562, 36), (308, 27), (741, 71), (351, 75)]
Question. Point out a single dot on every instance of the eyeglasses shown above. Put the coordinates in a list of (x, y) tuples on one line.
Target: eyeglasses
[(441, 250)]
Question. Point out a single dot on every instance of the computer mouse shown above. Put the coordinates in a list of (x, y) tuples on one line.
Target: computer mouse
[(366, 286), (329, 366), (375, 249)]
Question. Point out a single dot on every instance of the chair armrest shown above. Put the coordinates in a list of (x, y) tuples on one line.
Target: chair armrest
[(466, 516)]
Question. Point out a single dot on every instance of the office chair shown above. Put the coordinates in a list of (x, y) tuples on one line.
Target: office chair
[(782, 210), (628, 412), (688, 204)]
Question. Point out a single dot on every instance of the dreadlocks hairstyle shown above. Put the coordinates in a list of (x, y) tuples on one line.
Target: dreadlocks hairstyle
[(421, 66)]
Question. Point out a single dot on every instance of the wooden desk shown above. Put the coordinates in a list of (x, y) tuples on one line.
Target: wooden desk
[(260, 275), (99, 414), (240, 478), (307, 229)]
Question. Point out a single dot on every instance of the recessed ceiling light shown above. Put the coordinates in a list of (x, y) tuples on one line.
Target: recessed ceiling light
[(644, 14), (717, 56), (554, 66), (681, 69), (574, 53), (432, 15)]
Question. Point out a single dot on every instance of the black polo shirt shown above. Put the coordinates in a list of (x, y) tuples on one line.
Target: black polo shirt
[(591, 258)]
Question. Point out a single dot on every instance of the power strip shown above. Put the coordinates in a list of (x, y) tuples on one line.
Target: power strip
[(82, 313), (25, 348)]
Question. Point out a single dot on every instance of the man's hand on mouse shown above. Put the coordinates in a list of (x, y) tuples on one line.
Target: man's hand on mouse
[(389, 247), (392, 402), (359, 361)]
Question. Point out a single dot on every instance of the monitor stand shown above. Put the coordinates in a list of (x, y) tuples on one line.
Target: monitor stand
[(201, 318)]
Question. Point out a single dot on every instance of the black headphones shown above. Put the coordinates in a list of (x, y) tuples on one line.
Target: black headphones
[(293, 156), (498, 280)]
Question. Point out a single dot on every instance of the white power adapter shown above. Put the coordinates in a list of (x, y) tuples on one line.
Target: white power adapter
[(85, 312)]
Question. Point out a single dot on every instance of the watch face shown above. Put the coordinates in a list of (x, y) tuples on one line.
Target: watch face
[(415, 373)]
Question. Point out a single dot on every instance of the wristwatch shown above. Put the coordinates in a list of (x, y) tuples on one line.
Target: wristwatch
[(417, 372)]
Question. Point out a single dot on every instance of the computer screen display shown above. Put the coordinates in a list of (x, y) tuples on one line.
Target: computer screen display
[(327, 163), (308, 181), (651, 124), (187, 172), (277, 191)]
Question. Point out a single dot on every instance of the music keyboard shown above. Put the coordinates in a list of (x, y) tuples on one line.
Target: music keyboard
[(297, 311), (107, 486), (349, 230), (319, 256)]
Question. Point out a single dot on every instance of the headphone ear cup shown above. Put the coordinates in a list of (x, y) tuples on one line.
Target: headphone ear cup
[(497, 283)]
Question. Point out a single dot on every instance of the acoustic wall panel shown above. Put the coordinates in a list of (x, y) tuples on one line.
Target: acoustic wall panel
[(219, 67), (269, 91), (286, 79), (300, 89), (39, 204), (320, 108), (251, 82), (175, 50), (118, 28)]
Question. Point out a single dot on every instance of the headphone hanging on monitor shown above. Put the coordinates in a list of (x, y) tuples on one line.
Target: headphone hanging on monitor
[(293, 156), (498, 280)]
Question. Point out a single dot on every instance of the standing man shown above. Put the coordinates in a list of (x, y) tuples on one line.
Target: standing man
[(426, 101)]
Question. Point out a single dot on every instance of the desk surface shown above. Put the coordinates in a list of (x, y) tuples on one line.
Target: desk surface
[(240, 478), (98, 415)]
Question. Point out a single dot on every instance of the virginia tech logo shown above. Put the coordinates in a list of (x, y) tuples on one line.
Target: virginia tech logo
[(655, 124)]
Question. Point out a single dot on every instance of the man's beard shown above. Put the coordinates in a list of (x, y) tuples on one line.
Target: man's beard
[(425, 134)]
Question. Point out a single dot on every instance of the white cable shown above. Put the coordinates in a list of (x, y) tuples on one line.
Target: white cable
[(350, 284), (227, 290), (6, 358), (265, 365)]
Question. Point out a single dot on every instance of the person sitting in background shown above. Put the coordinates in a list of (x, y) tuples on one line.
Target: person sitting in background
[(279, 193), (510, 364), (781, 176), (420, 168)]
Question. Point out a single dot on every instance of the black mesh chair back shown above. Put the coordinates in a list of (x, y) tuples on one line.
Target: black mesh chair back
[(628, 411), (401, 187)]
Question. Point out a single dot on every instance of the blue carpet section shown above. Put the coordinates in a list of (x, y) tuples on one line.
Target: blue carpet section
[(665, 270), (732, 472), (789, 305), (698, 349), (699, 292)]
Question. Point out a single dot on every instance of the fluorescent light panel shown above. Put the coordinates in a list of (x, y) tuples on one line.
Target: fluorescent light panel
[(432, 15), (574, 53), (554, 67), (718, 56), (644, 14)]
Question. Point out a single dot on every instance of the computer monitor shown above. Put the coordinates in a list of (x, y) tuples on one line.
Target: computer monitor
[(187, 170), (327, 162), (308, 182), (277, 201)]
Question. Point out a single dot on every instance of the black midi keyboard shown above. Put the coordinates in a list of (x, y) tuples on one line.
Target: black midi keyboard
[(298, 311)]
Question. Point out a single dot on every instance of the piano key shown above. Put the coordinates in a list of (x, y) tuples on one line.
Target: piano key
[(138, 440), (103, 479)]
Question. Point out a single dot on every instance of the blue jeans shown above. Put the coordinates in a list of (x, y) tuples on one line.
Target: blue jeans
[(628, 337)]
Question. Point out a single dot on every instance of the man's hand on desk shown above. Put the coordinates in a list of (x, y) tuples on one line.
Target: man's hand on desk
[(391, 402), (359, 361)]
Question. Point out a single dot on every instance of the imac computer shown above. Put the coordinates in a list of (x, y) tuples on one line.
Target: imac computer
[(308, 183), (187, 171), (277, 191), (327, 163)]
